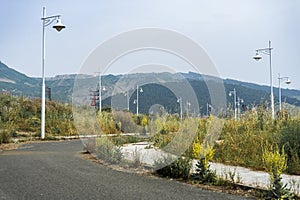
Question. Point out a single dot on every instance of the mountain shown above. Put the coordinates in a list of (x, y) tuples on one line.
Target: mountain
[(285, 92), (155, 90), (17, 83)]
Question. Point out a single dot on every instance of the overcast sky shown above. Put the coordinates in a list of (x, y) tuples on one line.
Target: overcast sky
[(229, 31)]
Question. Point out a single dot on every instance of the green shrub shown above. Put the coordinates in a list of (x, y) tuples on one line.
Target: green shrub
[(162, 140), (203, 173), (108, 124), (126, 121), (107, 151), (229, 179), (242, 140), (23, 114), (275, 164), (120, 140), (290, 140), (136, 158), (5, 136), (164, 124), (180, 168)]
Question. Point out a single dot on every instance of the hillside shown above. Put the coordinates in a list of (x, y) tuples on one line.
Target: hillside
[(17, 83), (62, 88)]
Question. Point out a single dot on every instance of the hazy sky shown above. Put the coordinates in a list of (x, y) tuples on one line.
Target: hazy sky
[(229, 30)]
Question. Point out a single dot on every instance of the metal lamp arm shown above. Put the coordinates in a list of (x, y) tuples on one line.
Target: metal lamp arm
[(284, 78), (264, 50), (50, 19)]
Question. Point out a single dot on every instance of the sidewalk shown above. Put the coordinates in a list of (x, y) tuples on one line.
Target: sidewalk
[(247, 176)]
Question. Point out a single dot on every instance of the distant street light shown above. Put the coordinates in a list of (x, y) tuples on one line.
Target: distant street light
[(208, 106), (234, 102), (100, 92), (287, 81), (257, 57), (128, 97), (136, 101), (180, 104), (239, 101), (188, 105), (58, 26)]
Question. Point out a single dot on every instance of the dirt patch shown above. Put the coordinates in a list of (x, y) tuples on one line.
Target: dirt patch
[(9, 146)]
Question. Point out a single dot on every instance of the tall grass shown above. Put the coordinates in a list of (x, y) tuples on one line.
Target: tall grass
[(20, 114), (242, 141)]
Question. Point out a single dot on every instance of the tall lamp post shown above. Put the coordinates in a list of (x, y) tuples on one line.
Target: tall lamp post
[(257, 57), (208, 106), (234, 102), (137, 99), (188, 105), (127, 97), (180, 104), (287, 81), (239, 101), (58, 26), (100, 92)]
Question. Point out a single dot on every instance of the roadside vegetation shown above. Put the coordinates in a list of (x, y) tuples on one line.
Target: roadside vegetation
[(20, 117), (241, 142), (254, 140)]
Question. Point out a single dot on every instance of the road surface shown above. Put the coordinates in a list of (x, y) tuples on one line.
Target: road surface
[(56, 170)]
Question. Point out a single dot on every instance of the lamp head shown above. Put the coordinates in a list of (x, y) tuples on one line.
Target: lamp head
[(288, 81), (230, 94), (59, 25), (257, 57)]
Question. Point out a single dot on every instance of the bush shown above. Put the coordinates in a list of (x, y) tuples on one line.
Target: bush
[(120, 140), (162, 140), (275, 164), (5, 136), (136, 158), (243, 139), (107, 123), (126, 121), (180, 168), (290, 140), (23, 114), (164, 125), (107, 151), (203, 173)]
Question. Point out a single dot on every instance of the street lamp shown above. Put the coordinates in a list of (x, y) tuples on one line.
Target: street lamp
[(58, 26), (100, 92), (239, 101), (188, 105), (126, 94), (257, 57), (137, 99), (180, 104), (234, 103), (287, 81), (207, 109)]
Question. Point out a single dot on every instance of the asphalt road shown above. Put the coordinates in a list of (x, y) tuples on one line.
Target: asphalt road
[(56, 170)]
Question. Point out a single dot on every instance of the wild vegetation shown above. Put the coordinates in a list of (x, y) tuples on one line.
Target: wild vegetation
[(241, 142), (21, 117), (254, 140)]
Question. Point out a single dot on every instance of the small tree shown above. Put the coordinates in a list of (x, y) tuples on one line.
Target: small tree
[(180, 168), (275, 163), (203, 173)]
